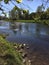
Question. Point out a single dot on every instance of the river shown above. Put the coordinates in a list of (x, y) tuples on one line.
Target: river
[(25, 32), (36, 35)]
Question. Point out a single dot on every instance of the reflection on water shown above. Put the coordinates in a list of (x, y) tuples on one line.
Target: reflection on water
[(4, 25), (21, 31), (35, 35)]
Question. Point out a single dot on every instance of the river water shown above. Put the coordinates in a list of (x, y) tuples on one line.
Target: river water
[(34, 34), (25, 32)]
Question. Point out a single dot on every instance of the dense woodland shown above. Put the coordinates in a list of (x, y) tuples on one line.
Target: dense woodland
[(24, 15)]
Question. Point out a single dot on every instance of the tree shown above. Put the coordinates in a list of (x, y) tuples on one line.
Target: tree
[(22, 14), (32, 16), (45, 15), (47, 11), (39, 8), (39, 11), (25, 14), (6, 1), (13, 14)]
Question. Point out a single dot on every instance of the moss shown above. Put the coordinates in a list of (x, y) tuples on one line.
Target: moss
[(8, 55)]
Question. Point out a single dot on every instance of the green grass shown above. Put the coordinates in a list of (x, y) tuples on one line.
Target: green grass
[(30, 21), (8, 55), (26, 21)]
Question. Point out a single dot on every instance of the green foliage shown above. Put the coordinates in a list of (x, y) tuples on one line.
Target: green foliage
[(0, 0), (18, 1), (9, 56), (15, 8), (6, 1), (24, 11)]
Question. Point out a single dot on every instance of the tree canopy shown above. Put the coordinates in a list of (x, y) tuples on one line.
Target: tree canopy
[(20, 13), (6, 1)]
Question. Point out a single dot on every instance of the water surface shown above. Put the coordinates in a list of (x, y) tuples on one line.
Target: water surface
[(34, 34), (25, 32)]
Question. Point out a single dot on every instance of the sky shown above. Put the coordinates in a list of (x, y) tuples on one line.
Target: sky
[(30, 5)]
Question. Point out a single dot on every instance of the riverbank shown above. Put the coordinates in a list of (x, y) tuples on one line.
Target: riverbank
[(34, 21), (13, 53), (27, 54), (30, 21), (8, 55)]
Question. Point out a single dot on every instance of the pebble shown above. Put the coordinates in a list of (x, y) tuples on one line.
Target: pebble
[(24, 60), (24, 55)]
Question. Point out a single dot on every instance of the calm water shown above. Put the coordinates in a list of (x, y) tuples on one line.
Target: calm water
[(34, 34), (25, 32)]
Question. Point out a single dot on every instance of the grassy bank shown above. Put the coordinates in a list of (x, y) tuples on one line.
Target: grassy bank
[(8, 55), (34, 21), (30, 21)]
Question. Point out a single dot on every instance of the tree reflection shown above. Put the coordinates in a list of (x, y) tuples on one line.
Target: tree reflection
[(25, 27), (20, 27), (47, 31), (38, 28), (13, 27)]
